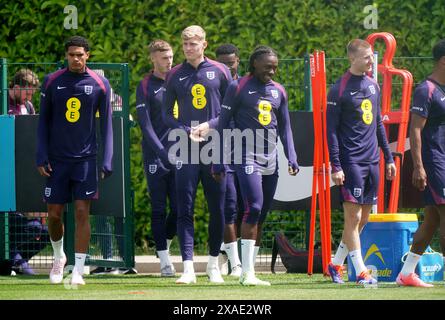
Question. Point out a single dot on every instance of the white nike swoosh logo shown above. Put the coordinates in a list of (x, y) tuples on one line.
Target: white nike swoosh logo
[(89, 192), (58, 88), (156, 91), (180, 79), (352, 93), (251, 92), (442, 99)]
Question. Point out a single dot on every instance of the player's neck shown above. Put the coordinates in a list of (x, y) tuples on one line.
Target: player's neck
[(438, 75), (355, 72), (83, 70), (195, 62), (159, 74)]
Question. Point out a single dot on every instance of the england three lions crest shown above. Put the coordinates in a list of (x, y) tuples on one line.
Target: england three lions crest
[(88, 90), (152, 168), (274, 93), (210, 75), (372, 89)]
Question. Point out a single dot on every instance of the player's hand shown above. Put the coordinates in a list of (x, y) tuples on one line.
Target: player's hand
[(419, 178), (203, 129), (45, 170), (218, 172), (105, 174), (338, 177), (293, 169), (391, 171), (195, 134)]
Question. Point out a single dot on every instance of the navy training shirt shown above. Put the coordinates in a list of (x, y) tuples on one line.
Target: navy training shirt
[(67, 126), (354, 123)]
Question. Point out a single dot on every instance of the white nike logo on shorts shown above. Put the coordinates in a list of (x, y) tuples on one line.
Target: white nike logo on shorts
[(89, 192)]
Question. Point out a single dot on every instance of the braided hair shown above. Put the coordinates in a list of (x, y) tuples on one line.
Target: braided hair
[(258, 52)]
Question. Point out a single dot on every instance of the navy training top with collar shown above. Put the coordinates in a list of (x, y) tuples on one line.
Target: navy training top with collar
[(67, 127), (354, 123), (256, 105), (149, 97), (198, 91), (429, 103)]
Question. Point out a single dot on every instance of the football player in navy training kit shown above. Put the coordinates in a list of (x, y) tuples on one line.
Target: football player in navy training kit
[(158, 171), (198, 85), (67, 149), (427, 137), (233, 208), (355, 132), (258, 106)]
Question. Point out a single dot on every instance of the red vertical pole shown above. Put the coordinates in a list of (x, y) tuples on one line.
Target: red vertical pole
[(327, 178)]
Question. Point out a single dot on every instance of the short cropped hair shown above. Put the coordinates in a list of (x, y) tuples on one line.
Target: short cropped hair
[(258, 52), (439, 50), (77, 41), (25, 78), (356, 44), (159, 45), (193, 31), (227, 48)]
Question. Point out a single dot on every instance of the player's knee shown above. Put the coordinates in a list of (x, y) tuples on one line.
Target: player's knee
[(253, 214)]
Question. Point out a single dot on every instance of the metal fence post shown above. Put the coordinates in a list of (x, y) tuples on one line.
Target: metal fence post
[(4, 86)]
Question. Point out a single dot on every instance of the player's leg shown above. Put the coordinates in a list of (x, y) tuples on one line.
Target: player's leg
[(186, 179), (421, 239), (354, 194), (157, 188), (434, 198), (57, 193), (84, 177), (269, 185), (215, 194), (252, 192), (230, 239)]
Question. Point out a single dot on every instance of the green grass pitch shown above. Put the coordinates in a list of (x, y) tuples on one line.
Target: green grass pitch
[(152, 287)]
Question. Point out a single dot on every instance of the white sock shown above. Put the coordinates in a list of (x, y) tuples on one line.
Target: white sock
[(341, 254), (213, 262), (79, 262), (223, 248), (232, 253), (188, 266), (58, 249), (410, 263), (247, 248), (255, 253), (169, 242), (164, 257), (357, 261)]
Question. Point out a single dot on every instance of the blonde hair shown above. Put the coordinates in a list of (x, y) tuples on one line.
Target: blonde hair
[(355, 44), (193, 31), (25, 78), (159, 45)]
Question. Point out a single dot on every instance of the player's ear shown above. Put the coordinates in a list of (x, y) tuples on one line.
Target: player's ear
[(87, 55), (204, 44)]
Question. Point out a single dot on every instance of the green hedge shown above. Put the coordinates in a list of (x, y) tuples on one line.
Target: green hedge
[(119, 30)]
